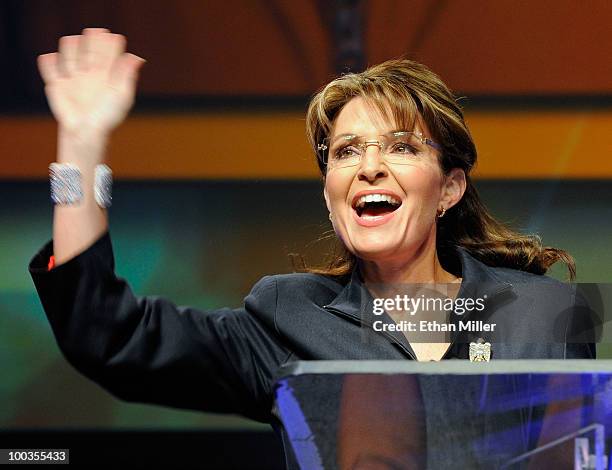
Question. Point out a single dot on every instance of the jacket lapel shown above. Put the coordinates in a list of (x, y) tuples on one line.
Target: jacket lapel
[(479, 281)]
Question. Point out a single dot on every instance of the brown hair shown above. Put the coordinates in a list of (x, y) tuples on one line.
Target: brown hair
[(411, 91)]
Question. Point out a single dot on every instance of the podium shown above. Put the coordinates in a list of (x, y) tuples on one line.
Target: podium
[(448, 414)]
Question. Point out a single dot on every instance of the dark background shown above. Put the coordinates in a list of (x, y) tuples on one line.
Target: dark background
[(215, 184)]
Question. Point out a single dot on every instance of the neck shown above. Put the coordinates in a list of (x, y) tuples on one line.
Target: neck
[(421, 267)]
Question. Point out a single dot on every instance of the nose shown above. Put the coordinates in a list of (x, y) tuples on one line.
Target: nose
[(372, 165)]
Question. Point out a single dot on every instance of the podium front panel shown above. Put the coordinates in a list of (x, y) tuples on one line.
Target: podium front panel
[(451, 414)]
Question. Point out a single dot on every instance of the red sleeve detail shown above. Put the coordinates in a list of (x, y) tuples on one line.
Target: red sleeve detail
[(51, 264)]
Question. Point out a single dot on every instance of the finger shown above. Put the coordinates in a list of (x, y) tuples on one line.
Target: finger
[(84, 60), (68, 54), (125, 71), (48, 67), (102, 49), (85, 55), (95, 30)]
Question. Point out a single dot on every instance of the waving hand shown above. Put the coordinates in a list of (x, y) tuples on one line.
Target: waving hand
[(90, 82)]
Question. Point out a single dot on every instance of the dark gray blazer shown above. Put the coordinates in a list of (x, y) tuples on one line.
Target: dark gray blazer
[(146, 349)]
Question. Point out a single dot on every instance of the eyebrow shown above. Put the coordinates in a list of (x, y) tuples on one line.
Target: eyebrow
[(349, 134)]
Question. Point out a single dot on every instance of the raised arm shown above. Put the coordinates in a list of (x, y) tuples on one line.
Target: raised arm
[(90, 85), (143, 349)]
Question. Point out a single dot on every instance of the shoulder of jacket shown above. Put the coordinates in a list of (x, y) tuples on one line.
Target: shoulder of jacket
[(295, 285), (517, 276), (304, 281), (539, 286), (485, 272), (299, 290), (296, 288)]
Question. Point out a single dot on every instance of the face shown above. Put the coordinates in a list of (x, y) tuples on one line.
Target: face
[(410, 193)]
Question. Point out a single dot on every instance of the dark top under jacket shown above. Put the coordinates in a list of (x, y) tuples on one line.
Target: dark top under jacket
[(146, 349)]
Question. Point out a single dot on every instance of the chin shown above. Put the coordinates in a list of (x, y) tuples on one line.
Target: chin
[(374, 250), (378, 247)]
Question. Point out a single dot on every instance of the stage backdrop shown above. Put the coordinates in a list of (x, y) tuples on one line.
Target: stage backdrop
[(223, 97), (205, 244)]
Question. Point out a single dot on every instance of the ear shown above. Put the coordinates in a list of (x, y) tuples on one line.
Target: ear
[(326, 196), (453, 188)]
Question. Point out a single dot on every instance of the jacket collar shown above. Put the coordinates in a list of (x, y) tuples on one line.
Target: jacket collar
[(478, 280)]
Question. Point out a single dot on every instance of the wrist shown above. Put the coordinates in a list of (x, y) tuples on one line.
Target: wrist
[(70, 186), (83, 147)]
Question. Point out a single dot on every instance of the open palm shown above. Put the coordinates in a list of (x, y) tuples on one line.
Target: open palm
[(91, 81)]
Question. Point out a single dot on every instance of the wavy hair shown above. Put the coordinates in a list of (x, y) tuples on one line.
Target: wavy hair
[(409, 91)]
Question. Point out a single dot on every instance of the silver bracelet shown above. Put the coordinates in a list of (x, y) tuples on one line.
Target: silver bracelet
[(65, 183), (66, 188), (103, 185)]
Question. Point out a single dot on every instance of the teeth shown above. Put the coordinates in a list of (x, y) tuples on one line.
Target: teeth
[(377, 198)]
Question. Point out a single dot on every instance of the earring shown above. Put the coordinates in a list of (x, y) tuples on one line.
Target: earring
[(331, 217), (441, 213)]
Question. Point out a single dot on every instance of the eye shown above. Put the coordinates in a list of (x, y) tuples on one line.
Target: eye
[(403, 148), (346, 152)]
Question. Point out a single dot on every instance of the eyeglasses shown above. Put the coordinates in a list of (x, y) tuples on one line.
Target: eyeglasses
[(398, 147)]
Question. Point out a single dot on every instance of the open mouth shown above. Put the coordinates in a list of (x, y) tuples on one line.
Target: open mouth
[(375, 205)]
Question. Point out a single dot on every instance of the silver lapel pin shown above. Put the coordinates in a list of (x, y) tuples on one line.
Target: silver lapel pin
[(480, 351)]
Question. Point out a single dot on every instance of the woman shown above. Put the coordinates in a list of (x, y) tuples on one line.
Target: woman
[(395, 155)]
